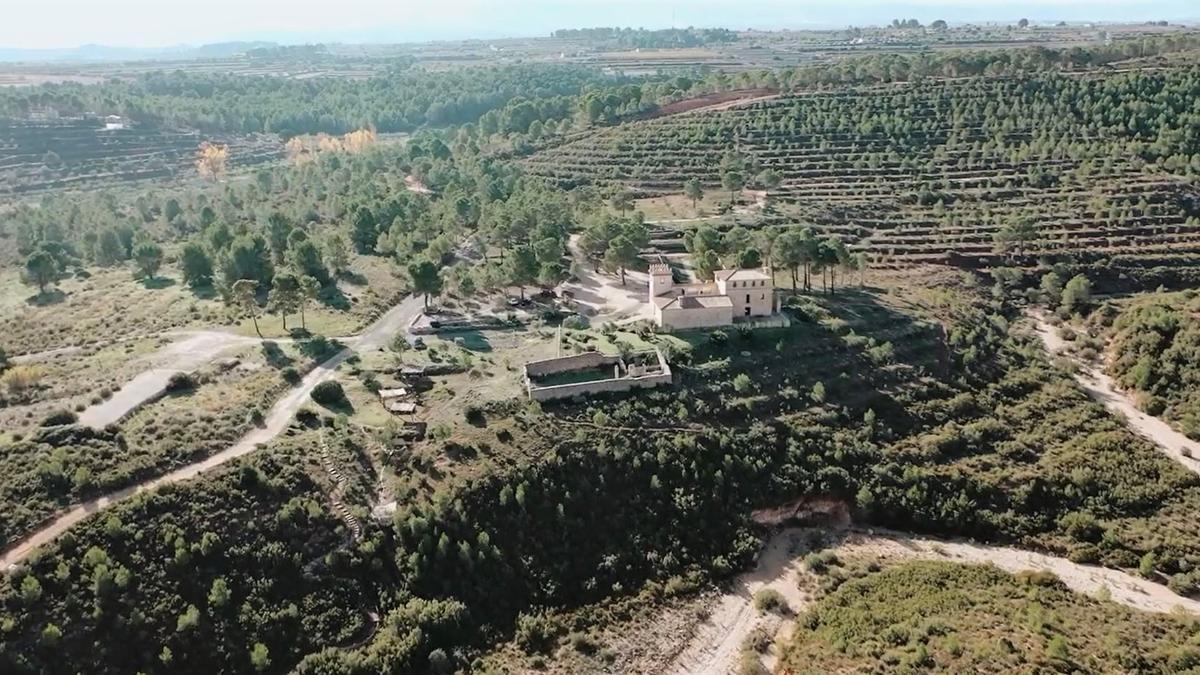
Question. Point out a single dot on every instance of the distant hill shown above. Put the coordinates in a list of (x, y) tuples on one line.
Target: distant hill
[(106, 53)]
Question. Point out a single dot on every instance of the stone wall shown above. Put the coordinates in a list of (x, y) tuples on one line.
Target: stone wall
[(599, 387), (699, 317), (565, 364), (761, 301), (660, 376)]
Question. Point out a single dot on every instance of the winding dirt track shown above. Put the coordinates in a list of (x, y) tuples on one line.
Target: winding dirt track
[(377, 335), (1102, 388), (717, 644)]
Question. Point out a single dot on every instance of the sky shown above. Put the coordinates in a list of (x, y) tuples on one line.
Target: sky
[(42, 24)]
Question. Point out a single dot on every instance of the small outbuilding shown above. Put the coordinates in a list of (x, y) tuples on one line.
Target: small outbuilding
[(400, 407)]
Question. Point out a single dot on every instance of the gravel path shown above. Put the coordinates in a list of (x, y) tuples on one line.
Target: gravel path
[(196, 349), (1102, 388), (393, 321), (715, 647)]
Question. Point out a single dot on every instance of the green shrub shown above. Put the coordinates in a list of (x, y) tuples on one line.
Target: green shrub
[(582, 642), (750, 664), (180, 382), (538, 632), (1081, 526), (770, 600), (329, 394), (59, 418), (820, 561)]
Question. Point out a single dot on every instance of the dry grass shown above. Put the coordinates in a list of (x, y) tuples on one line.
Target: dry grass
[(679, 207), (105, 307)]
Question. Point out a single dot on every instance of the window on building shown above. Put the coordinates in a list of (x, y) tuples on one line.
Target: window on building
[(747, 297)]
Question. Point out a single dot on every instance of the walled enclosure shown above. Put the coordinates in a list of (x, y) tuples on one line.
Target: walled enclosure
[(636, 377)]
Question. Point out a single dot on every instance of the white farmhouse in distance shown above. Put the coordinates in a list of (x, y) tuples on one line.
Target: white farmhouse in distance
[(114, 122), (731, 295)]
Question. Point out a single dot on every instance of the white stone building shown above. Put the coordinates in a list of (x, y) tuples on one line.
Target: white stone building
[(731, 295)]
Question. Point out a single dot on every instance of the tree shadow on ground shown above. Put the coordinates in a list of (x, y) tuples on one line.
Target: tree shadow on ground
[(205, 292), (50, 297), (157, 283), (342, 407), (473, 340), (275, 356), (332, 297), (353, 278)]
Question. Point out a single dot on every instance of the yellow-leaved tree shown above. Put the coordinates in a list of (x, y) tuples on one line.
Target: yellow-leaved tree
[(212, 160)]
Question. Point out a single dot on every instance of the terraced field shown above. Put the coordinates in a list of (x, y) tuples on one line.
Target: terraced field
[(1096, 168), (39, 156)]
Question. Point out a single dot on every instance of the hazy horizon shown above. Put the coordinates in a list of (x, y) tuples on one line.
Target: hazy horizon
[(65, 24)]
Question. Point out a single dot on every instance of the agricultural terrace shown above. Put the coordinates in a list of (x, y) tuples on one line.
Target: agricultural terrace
[(1097, 168), (72, 153)]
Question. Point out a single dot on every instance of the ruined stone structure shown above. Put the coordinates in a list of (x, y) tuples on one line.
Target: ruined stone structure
[(551, 379)]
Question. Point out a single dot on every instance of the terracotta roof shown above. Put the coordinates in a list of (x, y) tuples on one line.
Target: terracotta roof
[(665, 300), (743, 275), (695, 302)]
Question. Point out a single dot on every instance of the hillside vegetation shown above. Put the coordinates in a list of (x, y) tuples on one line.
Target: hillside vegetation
[(950, 618), (1092, 169), (235, 573), (919, 410), (353, 544), (1155, 341)]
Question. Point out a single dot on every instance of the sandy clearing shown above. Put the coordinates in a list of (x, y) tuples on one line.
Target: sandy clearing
[(602, 297), (393, 321), (715, 647), (1102, 388), (721, 105)]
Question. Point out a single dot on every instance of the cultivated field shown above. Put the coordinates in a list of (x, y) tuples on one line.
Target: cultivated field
[(978, 172)]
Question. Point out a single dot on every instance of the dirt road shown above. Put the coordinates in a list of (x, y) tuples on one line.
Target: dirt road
[(717, 644), (196, 349), (1102, 388), (393, 321), (715, 647)]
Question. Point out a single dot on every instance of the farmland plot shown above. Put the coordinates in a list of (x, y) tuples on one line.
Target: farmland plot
[(1095, 169)]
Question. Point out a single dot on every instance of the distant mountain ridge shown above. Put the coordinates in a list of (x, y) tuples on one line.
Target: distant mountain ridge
[(93, 52)]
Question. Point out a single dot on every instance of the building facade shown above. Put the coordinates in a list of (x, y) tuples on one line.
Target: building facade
[(731, 295)]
